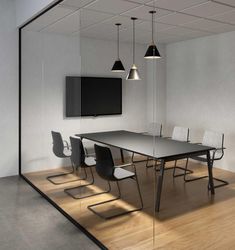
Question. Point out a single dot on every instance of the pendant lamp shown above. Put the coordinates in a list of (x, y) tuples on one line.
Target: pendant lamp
[(118, 66), (152, 51), (133, 74)]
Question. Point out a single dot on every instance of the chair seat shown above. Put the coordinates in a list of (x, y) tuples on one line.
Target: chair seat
[(90, 161), (67, 152), (121, 173)]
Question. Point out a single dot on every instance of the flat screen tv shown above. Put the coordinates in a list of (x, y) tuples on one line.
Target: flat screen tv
[(93, 96)]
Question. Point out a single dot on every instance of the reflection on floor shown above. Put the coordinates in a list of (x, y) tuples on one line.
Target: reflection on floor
[(26, 221), (189, 217)]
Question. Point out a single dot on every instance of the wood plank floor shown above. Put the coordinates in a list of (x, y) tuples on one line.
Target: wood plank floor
[(189, 217)]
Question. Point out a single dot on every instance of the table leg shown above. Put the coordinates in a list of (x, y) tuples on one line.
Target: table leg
[(122, 156), (159, 185), (210, 174)]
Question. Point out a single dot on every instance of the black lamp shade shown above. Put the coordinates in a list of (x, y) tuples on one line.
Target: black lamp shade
[(152, 52), (118, 66)]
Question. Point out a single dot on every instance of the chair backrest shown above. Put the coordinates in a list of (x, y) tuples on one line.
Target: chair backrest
[(58, 145), (213, 139), (216, 140), (104, 163), (180, 134), (155, 129), (78, 153)]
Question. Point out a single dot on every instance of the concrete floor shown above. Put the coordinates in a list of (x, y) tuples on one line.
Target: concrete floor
[(27, 221)]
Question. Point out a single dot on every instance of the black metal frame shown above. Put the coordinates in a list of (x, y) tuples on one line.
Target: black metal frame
[(162, 166), (90, 207), (186, 171), (67, 190), (73, 171), (156, 165), (80, 227), (162, 170), (223, 182)]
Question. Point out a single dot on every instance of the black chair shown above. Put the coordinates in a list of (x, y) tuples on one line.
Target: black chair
[(82, 160), (108, 171), (60, 149), (216, 140)]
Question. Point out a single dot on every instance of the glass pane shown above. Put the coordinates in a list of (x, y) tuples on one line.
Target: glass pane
[(50, 53), (68, 87), (98, 57)]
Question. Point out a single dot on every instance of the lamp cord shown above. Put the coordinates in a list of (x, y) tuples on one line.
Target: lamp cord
[(133, 41), (152, 30), (118, 42)]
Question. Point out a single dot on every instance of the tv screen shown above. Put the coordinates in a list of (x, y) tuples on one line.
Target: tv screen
[(93, 96)]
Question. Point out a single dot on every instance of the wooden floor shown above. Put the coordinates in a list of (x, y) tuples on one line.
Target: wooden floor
[(189, 217)]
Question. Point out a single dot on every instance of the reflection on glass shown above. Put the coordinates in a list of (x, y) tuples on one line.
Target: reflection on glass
[(88, 135)]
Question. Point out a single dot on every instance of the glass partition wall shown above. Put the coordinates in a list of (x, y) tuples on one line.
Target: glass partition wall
[(68, 87)]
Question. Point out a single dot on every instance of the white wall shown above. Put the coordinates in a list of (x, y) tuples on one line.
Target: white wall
[(97, 60), (47, 59), (8, 90), (26, 9), (201, 86)]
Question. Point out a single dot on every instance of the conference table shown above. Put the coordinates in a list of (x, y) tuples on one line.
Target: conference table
[(158, 148)]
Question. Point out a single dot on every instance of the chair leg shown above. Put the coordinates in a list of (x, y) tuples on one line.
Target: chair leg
[(67, 190), (192, 179), (51, 177), (117, 198), (147, 163), (224, 183), (155, 165), (135, 161), (186, 171)]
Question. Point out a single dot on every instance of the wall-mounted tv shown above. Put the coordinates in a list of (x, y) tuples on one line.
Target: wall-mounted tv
[(93, 96)]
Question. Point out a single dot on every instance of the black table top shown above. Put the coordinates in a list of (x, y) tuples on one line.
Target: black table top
[(148, 145)]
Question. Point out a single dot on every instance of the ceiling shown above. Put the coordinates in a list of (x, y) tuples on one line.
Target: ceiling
[(175, 20)]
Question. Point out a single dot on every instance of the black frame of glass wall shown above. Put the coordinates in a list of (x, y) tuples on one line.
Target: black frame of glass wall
[(80, 227)]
